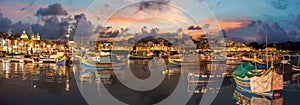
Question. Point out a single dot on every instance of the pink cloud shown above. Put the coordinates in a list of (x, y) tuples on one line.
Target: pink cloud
[(13, 9)]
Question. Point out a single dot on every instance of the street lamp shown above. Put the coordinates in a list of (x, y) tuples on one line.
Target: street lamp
[(68, 36)]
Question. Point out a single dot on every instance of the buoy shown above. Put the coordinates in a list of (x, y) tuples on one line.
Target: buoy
[(277, 95)]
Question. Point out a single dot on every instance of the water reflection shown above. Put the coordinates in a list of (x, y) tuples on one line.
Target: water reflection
[(90, 80), (244, 98), (39, 75), (20, 79), (292, 83)]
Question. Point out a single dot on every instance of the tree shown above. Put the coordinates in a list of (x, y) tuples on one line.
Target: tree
[(254, 45)]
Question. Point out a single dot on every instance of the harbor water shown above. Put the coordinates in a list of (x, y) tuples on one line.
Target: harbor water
[(49, 84)]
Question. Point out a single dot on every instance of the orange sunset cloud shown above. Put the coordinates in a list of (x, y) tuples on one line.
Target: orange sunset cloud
[(229, 23)]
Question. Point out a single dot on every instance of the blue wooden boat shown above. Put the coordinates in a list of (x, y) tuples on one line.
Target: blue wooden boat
[(264, 65), (140, 56), (105, 62), (174, 61), (61, 61), (249, 80)]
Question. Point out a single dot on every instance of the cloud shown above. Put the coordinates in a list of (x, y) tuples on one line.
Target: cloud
[(32, 3), (153, 5), (280, 4), (193, 31), (274, 32), (80, 17), (83, 27), (129, 20), (295, 34), (172, 18), (19, 27), (5, 23), (257, 31), (296, 22), (194, 28), (52, 29), (292, 33), (225, 24), (18, 10), (52, 9)]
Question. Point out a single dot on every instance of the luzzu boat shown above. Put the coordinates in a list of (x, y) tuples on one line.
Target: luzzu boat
[(259, 82), (264, 65), (104, 62), (61, 59), (141, 56), (260, 63), (175, 61)]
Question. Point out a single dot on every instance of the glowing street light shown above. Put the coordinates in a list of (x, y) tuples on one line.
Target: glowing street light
[(68, 35)]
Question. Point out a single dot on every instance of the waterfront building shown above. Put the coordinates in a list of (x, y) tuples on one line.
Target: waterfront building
[(35, 43), (23, 44)]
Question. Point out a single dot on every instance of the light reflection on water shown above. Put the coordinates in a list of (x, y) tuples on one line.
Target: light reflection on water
[(48, 84)]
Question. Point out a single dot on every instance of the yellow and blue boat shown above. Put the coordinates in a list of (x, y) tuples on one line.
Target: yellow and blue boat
[(61, 59), (104, 62), (175, 61), (259, 82)]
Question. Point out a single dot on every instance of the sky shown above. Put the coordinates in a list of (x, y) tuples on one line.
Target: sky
[(245, 20)]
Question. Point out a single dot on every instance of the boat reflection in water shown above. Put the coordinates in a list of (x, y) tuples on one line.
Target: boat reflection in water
[(50, 84), (246, 98), (95, 78)]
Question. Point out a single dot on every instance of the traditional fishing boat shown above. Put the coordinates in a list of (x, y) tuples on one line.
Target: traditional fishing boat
[(260, 82), (175, 61), (105, 62), (47, 58), (61, 59), (263, 64), (141, 55)]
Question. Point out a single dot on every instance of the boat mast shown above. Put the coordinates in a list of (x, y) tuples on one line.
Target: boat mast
[(267, 48), (267, 52)]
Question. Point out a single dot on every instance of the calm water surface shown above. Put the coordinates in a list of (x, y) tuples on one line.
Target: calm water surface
[(47, 84)]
